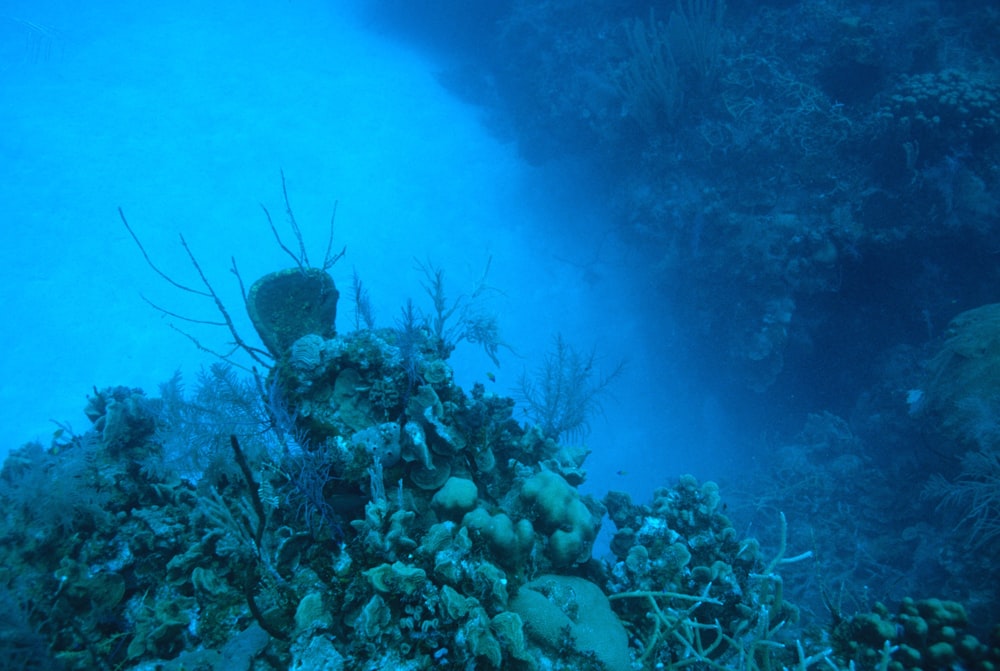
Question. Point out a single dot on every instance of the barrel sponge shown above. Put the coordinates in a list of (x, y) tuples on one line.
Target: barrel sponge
[(455, 498), (552, 605), (561, 514), (291, 303)]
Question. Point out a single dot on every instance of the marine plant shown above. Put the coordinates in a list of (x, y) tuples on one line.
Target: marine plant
[(975, 494), (22, 648), (464, 318), (566, 391), (670, 61), (957, 404), (364, 310)]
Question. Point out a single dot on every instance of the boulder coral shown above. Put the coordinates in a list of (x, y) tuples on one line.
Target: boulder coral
[(556, 607), (560, 512)]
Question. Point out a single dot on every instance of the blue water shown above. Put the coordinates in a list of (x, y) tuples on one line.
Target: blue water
[(773, 261), (183, 115)]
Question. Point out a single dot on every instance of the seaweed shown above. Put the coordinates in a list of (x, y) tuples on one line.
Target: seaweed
[(65, 492), (364, 311), (464, 318), (22, 647), (310, 473), (194, 432), (974, 494)]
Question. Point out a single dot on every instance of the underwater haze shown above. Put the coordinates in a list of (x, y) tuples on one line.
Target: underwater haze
[(516, 334), (184, 116)]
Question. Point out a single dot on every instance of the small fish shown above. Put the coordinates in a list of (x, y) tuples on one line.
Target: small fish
[(491, 377), (621, 472)]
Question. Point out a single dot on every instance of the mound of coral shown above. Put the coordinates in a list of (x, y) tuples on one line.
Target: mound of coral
[(354, 509)]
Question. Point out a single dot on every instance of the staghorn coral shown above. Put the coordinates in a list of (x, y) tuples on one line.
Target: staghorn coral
[(687, 584)]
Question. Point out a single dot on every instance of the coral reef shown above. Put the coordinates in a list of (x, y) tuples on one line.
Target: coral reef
[(924, 634), (710, 593), (761, 157), (350, 506), (573, 615), (372, 514), (946, 109)]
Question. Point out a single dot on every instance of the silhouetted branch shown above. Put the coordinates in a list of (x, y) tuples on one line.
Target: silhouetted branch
[(239, 343), (149, 261), (302, 258), (258, 505), (364, 311), (270, 222), (329, 259)]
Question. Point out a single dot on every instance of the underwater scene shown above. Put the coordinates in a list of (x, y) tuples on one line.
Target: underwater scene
[(500, 334)]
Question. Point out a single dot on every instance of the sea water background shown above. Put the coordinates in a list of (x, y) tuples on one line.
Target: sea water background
[(183, 113)]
